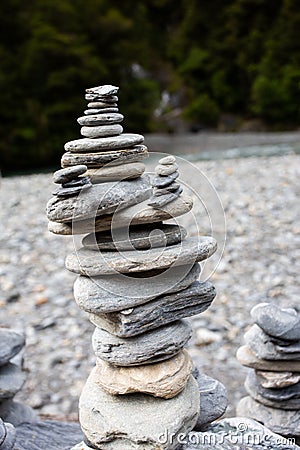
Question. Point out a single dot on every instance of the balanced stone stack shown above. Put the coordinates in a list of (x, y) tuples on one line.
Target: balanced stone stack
[(12, 378), (138, 280), (272, 351)]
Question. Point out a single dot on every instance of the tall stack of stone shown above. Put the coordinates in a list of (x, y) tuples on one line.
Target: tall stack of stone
[(138, 280), (272, 351)]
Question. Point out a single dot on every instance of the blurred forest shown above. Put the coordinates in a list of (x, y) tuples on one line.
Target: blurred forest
[(199, 60)]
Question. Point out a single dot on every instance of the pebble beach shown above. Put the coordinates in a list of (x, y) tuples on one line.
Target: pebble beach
[(254, 209)]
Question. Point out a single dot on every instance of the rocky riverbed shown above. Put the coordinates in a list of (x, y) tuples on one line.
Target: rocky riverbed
[(260, 262)]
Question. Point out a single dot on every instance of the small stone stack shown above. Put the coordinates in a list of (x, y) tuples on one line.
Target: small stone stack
[(272, 351), (12, 378), (138, 280)]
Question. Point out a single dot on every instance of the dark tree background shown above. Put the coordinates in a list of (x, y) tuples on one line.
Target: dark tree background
[(238, 57)]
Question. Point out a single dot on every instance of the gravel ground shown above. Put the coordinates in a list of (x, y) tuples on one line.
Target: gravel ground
[(260, 197)]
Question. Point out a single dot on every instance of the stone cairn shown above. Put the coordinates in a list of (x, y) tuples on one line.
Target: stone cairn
[(12, 378), (138, 280), (272, 351)]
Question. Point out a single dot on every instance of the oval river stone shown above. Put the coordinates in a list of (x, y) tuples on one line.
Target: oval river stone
[(106, 143)]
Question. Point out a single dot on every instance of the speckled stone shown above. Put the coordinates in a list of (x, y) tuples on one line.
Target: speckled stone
[(165, 170), (87, 145), (170, 159), (100, 119), (100, 110), (101, 131)]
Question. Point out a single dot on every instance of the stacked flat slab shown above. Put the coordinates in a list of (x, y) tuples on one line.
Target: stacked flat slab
[(272, 352), (137, 280)]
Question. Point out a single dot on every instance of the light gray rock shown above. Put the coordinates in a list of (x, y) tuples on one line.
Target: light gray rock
[(248, 358), (105, 90), (101, 199), (134, 215), (160, 201), (141, 237), (130, 421), (11, 343), (65, 175), (101, 131), (100, 159), (17, 413), (50, 435), (284, 398), (165, 170), (104, 105), (284, 422), (268, 379), (87, 145), (128, 171), (101, 110), (236, 433), (277, 322), (7, 436), (110, 293), (213, 399), (100, 119), (264, 348), (191, 250), (156, 345), (164, 379), (11, 380), (161, 182), (170, 159), (165, 309)]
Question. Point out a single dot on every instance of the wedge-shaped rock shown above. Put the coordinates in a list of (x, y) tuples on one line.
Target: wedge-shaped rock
[(110, 293), (134, 421), (264, 348), (11, 343), (124, 140), (248, 358), (168, 308), (12, 379), (134, 215), (90, 263), (98, 200), (156, 345), (277, 322), (164, 379)]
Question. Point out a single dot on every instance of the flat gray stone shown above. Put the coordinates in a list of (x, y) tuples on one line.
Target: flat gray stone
[(7, 436), (284, 422), (128, 171), (236, 433), (140, 237), (213, 399), (98, 104), (164, 170), (100, 199), (156, 345), (193, 249), (128, 422), (161, 182), (248, 358), (134, 215), (277, 322), (101, 98), (65, 191), (170, 159), (11, 343), (12, 379), (80, 181), (101, 131), (268, 379), (164, 191), (48, 435), (65, 175), (264, 348), (101, 110), (17, 413), (87, 145), (100, 119), (109, 293), (107, 158), (103, 90), (160, 201), (165, 309), (284, 398)]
